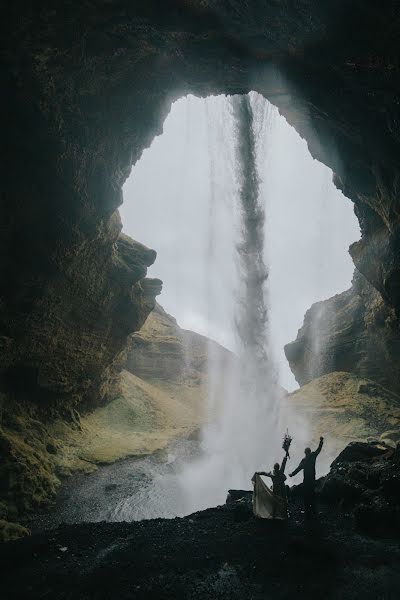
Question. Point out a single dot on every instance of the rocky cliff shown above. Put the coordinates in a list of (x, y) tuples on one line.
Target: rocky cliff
[(163, 352), (87, 87), (58, 358), (163, 394), (355, 331), (160, 395)]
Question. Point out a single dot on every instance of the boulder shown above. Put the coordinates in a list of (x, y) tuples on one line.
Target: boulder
[(235, 495), (365, 479)]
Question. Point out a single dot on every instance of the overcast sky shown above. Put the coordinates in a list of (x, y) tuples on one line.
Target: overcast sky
[(180, 200)]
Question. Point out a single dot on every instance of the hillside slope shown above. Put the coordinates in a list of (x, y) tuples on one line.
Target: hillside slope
[(343, 408), (162, 397)]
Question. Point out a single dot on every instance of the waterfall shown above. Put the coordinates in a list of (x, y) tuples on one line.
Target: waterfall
[(240, 197), (240, 214), (252, 315), (245, 437)]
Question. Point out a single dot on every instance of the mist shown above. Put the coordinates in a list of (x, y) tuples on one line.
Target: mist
[(223, 269), (178, 200)]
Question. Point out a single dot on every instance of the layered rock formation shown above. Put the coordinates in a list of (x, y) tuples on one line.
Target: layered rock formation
[(58, 357), (163, 394), (162, 352), (60, 352), (355, 331)]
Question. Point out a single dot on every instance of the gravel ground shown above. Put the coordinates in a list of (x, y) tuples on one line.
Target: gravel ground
[(223, 552)]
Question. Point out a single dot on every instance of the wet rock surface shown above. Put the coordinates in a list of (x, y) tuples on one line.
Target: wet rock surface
[(365, 478), (355, 331), (128, 490)]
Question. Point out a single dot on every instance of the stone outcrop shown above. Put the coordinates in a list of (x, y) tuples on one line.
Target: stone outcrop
[(68, 337), (62, 361), (355, 331), (162, 351), (365, 478), (58, 358)]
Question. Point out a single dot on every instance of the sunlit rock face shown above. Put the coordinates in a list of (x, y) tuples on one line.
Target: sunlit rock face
[(162, 351), (86, 87), (354, 332), (59, 349)]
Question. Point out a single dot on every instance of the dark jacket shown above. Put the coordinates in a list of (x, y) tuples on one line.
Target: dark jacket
[(278, 480), (308, 466)]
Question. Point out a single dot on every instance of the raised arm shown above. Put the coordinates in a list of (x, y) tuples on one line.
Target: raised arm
[(299, 468), (263, 473), (283, 465), (321, 443)]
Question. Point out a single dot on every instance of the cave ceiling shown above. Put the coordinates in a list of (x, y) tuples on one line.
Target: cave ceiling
[(87, 86)]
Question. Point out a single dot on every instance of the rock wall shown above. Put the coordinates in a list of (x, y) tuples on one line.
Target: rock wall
[(64, 333), (58, 360), (162, 351), (355, 331), (87, 88)]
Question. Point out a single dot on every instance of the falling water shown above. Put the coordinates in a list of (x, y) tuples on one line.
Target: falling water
[(246, 419), (252, 314), (242, 433), (220, 255), (245, 435)]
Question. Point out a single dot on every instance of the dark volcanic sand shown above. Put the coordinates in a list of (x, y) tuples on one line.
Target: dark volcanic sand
[(219, 553)]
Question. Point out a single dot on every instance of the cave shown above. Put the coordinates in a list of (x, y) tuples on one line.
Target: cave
[(86, 89), (189, 213)]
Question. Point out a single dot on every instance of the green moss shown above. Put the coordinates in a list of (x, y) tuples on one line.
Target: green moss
[(11, 531), (26, 470)]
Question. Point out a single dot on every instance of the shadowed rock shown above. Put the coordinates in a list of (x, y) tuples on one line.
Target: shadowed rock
[(355, 331)]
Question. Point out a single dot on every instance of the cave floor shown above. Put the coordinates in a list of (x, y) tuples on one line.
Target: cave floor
[(219, 553)]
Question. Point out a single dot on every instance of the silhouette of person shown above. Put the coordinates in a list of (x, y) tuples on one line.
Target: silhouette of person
[(278, 480), (307, 465)]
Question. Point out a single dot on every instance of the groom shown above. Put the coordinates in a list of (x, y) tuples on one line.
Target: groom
[(308, 466)]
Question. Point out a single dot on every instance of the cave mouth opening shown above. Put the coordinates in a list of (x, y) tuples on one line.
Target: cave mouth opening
[(180, 200), (188, 198)]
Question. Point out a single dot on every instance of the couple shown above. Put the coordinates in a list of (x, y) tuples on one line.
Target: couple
[(273, 505)]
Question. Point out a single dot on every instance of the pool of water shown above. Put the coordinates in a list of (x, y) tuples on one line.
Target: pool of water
[(128, 490)]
